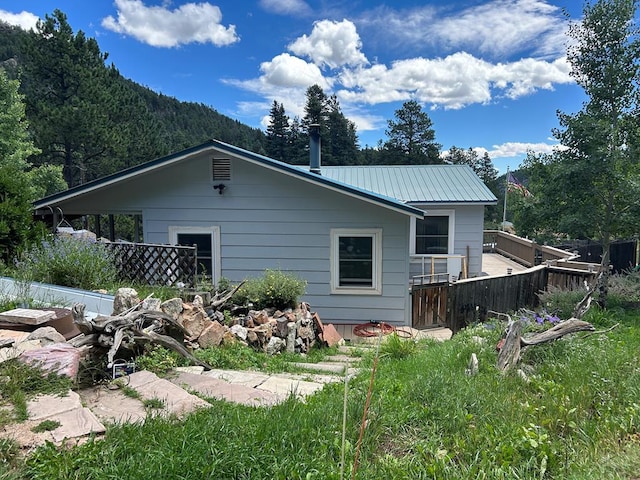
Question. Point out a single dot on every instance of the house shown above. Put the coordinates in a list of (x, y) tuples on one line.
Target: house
[(357, 235)]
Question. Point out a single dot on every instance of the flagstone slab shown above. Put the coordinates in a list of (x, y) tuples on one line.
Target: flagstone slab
[(224, 390), (26, 316)]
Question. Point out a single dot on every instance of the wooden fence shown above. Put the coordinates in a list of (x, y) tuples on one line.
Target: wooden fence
[(456, 305), (155, 264)]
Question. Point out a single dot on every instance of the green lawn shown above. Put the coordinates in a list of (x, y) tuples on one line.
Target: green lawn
[(575, 416)]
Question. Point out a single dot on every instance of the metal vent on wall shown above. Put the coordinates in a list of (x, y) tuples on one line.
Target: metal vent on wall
[(221, 169)]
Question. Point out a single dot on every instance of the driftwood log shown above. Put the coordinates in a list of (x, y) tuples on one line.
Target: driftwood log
[(514, 342), (128, 329)]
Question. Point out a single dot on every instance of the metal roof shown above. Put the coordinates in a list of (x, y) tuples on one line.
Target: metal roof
[(416, 183)]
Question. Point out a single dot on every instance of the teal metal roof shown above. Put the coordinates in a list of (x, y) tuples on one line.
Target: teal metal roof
[(416, 183)]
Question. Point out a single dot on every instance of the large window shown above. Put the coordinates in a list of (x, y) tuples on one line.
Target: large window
[(356, 261), (433, 235)]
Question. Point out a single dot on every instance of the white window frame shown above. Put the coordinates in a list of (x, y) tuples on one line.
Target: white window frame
[(450, 235), (214, 231), (376, 237)]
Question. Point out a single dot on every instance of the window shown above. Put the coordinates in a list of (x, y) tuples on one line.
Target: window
[(207, 241), (356, 261), (433, 235)]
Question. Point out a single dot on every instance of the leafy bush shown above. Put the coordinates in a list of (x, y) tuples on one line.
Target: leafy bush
[(69, 262), (275, 289)]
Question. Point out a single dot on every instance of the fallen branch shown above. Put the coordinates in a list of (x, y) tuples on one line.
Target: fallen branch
[(567, 327)]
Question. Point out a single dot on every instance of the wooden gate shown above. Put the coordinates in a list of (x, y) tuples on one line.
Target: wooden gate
[(429, 305)]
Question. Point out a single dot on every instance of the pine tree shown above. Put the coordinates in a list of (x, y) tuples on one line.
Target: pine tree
[(411, 138), (278, 134)]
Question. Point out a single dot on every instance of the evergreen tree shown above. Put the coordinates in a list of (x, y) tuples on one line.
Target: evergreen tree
[(411, 138), (16, 194), (278, 133), (342, 136)]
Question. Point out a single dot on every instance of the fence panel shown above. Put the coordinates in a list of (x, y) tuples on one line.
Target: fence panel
[(429, 305), (472, 299), (155, 264)]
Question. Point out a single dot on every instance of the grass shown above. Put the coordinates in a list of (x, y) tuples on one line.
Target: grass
[(577, 416), (20, 382)]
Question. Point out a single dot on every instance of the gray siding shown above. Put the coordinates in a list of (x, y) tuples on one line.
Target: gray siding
[(269, 220), (468, 234)]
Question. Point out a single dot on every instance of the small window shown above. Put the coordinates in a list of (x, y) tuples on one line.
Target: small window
[(356, 261), (221, 169), (432, 235)]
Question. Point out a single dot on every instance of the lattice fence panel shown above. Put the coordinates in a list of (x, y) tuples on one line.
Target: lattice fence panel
[(155, 264)]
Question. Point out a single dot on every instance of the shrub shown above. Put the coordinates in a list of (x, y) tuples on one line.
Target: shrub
[(69, 262), (561, 303), (275, 289)]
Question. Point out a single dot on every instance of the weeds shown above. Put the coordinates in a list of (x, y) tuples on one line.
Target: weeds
[(46, 426), (19, 382)]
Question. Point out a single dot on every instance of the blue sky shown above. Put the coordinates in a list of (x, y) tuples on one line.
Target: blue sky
[(490, 74)]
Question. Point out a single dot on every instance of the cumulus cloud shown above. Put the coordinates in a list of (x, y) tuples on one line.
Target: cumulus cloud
[(334, 44), (161, 27), (286, 7), (451, 82), (24, 20)]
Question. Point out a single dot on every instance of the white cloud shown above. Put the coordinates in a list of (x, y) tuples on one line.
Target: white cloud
[(452, 82), (334, 44), (493, 29), (25, 20), (161, 27), (286, 7), (517, 149)]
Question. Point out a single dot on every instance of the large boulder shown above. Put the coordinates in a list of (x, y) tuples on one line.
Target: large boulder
[(194, 320)]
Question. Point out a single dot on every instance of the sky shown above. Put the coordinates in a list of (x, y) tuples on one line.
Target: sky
[(491, 75)]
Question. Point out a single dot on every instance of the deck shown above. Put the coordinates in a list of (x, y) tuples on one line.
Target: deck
[(494, 264)]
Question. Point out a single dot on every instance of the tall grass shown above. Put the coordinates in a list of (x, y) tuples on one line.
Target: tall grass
[(576, 415)]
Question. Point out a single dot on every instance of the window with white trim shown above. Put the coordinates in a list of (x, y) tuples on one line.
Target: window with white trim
[(356, 261), (207, 241), (433, 234)]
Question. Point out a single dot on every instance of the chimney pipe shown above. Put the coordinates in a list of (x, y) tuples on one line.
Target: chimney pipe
[(314, 148)]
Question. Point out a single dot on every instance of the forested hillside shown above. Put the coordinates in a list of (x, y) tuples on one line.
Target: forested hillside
[(85, 116)]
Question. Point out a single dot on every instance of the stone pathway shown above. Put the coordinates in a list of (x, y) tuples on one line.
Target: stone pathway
[(182, 392)]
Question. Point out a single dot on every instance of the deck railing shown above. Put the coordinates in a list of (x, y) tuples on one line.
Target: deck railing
[(524, 251)]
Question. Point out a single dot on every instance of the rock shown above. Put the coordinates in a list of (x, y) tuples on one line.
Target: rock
[(228, 338), (60, 358), (125, 299), (152, 304), (291, 337), (172, 307), (194, 320), (306, 333), (259, 336), (330, 336), (275, 345), (46, 335), (260, 318), (197, 301), (212, 335), (282, 327), (239, 331)]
